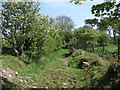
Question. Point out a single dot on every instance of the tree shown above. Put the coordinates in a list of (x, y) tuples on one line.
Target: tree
[(111, 10), (91, 22), (45, 38), (86, 37), (66, 25), (102, 26), (79, 2), (113, 24), (16, 22), (103, 40)]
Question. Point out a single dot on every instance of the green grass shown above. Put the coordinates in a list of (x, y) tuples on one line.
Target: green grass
[(46, 61), (51, 71), (110, 51), (24, 69), (33, 70), (109, 47), (79, 56), (14, 63)]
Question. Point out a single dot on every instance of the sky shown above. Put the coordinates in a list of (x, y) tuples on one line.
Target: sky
[(78, 13)]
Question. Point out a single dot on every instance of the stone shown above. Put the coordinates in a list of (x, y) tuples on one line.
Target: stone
[(46, 87), (10, 75), (16, 73), (86, 63), (21, 80), (64, 83), (3, 71), (34, 87)]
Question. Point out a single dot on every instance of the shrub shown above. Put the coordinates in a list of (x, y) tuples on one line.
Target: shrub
[(79, 56)]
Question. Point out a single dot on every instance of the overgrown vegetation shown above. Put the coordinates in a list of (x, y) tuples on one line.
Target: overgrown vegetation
[(79, 56), (50, 53)]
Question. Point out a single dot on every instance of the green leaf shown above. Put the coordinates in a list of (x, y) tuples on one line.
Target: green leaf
[(79, 4)]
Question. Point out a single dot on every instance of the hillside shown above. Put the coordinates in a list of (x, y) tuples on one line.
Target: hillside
[(55, 72)]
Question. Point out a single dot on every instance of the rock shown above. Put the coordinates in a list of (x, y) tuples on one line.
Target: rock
[(64, 87), (10, 75), (25, 81), (65, 84), (46, 87), (34, 87), (3, 70), (47, 83), (32, 80), (21, 80), (29, 77), (86, 63), (16, 73)]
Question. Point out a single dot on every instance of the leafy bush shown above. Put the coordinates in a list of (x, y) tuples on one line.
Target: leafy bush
[(103, 38), (79, 56), (86, 37)]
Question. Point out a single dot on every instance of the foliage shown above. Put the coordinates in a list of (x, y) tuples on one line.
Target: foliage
[(52, 72), (86, 36), (45, 39), (17, 65), (79, 56), (16, 21), (65, 23), (106, 8), (49, 73), (110, 51), (111, 78), (109, 47), (28, 33), (103, 38), (111, 9), (91, 22), (40, 38)]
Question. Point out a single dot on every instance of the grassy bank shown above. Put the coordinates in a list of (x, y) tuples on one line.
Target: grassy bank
[(57, 71)]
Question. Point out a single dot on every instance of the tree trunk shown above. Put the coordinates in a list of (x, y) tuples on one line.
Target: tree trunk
[(103, 51), (119, 48), (114, 34), (22, 48), (93, 47), (73, 49), (84, 46), (14, 42), (109, 32), (15, 46)]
